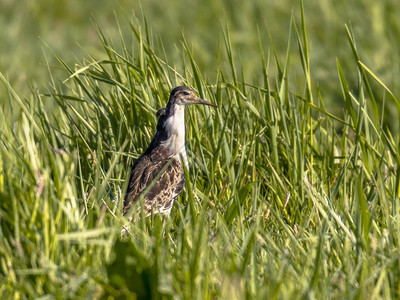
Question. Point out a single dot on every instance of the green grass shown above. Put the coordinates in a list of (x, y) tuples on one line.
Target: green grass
[(286, 196)]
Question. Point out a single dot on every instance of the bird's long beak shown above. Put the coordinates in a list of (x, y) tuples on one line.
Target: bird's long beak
[(204, 102)]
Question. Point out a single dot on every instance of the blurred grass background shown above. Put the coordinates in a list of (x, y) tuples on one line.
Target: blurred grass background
[(294, 185), (66, 26)]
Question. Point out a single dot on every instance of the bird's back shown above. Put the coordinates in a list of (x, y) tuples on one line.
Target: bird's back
[(157, 178)]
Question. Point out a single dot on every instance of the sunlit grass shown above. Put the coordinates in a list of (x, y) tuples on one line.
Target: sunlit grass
[(284, 198)]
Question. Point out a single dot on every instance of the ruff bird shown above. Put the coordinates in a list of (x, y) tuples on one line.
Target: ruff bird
[(157, 176)]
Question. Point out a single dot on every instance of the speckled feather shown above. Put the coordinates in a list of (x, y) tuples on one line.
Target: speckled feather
[(161, 195)]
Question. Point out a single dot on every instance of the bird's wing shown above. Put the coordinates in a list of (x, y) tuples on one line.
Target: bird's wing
[(159, 178)]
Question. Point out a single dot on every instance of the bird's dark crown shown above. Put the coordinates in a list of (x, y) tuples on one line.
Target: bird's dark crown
[(181, 89), (184, 96)]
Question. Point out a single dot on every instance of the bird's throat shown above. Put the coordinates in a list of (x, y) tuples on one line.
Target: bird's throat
[(175, 133)]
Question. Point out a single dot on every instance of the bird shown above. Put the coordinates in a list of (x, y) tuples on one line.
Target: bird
[(157, 176)]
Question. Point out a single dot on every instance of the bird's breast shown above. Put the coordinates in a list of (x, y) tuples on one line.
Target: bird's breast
[(175, 141)]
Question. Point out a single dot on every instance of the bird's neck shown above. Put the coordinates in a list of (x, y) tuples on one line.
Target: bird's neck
[(174, 127)]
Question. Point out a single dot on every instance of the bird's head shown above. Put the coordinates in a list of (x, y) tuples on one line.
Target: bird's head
[(184, 96)]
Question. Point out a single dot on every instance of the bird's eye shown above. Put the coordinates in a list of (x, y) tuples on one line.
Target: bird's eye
[(185, 93)]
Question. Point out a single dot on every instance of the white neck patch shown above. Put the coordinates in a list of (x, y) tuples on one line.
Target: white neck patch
[(175, 127)]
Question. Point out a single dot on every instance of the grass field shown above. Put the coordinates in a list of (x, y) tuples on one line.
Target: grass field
[(294, 181)]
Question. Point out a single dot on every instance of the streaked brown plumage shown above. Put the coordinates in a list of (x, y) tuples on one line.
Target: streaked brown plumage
[(157, 176), (159, 197)]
